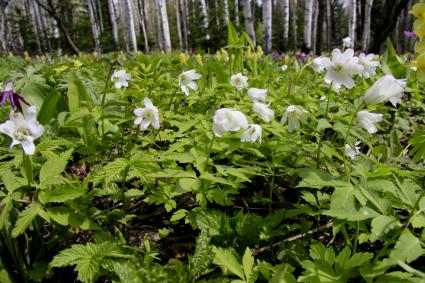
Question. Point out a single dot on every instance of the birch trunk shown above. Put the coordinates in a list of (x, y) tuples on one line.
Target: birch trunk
[(267, 22), (94, 27), (142, 21), (314, 25), (285, 13), (226, 11), (352, 21), (308, 18), (204, 16), (113, 20), (3, 22), (237, 13), (328, 31), (366, 27), (131, 30), (249, 22), (100, 15), (178, 23), (164, 25), (294, 22), (185, 32)]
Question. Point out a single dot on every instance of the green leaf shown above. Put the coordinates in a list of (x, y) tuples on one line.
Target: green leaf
[(6, 206), (227, 261), (408, 248), (248, 265), (392, 63), (4, 276), (201, 259), (61, 194), (48, 109), (25, 218), (283, 274), (418, 142), (315, 178), (382, 225), (51, 170), (78, 95)]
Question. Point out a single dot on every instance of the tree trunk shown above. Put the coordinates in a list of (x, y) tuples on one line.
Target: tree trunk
[(131, 30), (52, 11), (164, 25), (267, 22), (142, 21), (94, 27), (293, 4), (226, 11), (366, 26), (308, 18), (249, 23), (237, 13), (285, 13), (178, 23), (352, 18), (3, 23), (113, 20), (204, 18), (100, 15), (314, 25), (184, 13)]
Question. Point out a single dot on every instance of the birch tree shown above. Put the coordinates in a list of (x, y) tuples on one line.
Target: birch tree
[(308, 18), (237, 12), (293, 10), (249, 22), (94, 27), (131, 30), (226, 11), (267, 22), (285, 13), (164, 25), (3, 22), (366, 27), (204, 15), (352, 18), (142, 22), (178, 23), (185, 23), (113, 20)]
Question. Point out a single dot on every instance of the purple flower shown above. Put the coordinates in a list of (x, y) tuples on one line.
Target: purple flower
[(302, 57), (14, 97), (409, 34)]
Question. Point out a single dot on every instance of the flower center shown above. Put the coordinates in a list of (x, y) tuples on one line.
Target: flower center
[(183, 79), (238, 81), (339, 68), (149, 114), (21, 134)]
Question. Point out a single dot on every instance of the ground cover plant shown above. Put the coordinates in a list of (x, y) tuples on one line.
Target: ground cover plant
[(231, 167)]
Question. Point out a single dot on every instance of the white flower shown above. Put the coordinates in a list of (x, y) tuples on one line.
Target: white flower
[(23, 129), (293, 115), (186, 81), (263, 111), (368, 64), (347, 42), (284, 68), (120, 78), (366, 120), (412, 68), (317, 64), (386, 88), (257, 94), (147, 115), (253, 134), (352, 153), (239, 81), (341, 67), (228, 120)]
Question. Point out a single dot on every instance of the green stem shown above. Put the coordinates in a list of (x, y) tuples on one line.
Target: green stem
[(322, 133), (356, 237), (173, 98), (102, 105)]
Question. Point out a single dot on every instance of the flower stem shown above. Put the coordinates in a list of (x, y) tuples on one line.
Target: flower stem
[(345, 140), (322, 133), (102, 105)]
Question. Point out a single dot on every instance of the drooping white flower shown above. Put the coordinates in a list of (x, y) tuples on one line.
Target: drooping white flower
[(187, 81), (120, 78), (252, 134), (386, 88), (350, 152), (369, 65), (257, 94), (317, 64), (228, 120), (347, 42), (367, 119), (293, 115), (239, 81), (147, 115), (284, 68), (23, 129), (263, 111), (341, 67)]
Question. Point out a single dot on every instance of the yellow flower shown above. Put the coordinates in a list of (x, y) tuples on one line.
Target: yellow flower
[(218, 55), (260, 52), (224, 54), (198, 59), (60, 69), (77, 64), (248, 53), (26, 55), (420, 64), (184, 57)]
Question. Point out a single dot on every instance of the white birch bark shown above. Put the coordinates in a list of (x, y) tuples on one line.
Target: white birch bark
[(3, 22), (178, 23), (226, 11), (237, 13), (267, 22), (366, 28), (94, 27), (113, 20), (285, 13), (100, 15), (293, 4), (352, 20), (204, 15), (164, 25), (314, 25), (249, 23), (308, 19), (185, 31), (142, 21), (131, 30)]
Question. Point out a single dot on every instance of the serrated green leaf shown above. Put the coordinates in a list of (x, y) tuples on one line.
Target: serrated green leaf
[(382, 225), (314, 178), (61, 194), (248, 265), (52, 168), (227, 261), (25, 218), (408, 248)]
